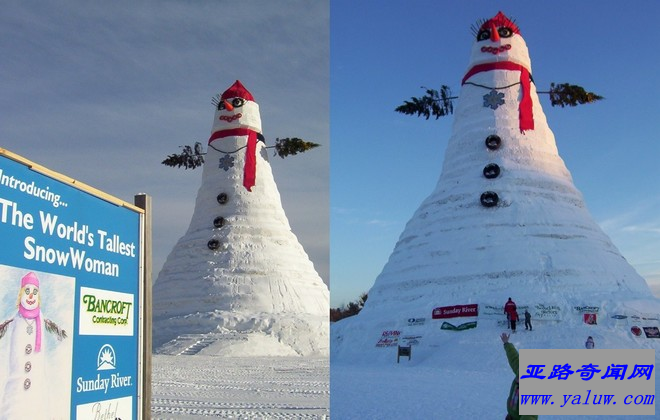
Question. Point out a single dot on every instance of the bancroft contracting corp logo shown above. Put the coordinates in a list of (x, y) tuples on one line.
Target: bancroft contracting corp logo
[(106, 359), (106, 312)]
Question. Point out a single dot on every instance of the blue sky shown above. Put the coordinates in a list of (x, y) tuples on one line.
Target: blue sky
[(103, 94), (384, 164), (104, 91)]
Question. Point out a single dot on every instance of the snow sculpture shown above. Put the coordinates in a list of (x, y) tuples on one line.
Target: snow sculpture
[(239, 282), (504, 219)]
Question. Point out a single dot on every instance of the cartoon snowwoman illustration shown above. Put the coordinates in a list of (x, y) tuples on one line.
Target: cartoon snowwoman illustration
[(25, 385)]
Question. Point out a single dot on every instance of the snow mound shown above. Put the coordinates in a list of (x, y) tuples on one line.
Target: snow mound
[(232, 335)]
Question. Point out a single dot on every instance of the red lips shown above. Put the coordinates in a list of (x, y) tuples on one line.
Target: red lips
[(496, 50), (230, 118)]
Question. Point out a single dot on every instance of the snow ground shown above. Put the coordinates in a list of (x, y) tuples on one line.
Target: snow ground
[(202, 387), (451, 375), (409, 391)]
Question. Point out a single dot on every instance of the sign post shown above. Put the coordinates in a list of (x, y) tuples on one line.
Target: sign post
[(75, 286)]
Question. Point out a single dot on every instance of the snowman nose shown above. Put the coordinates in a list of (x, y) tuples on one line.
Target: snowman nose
[(228, 106), (494, 35)]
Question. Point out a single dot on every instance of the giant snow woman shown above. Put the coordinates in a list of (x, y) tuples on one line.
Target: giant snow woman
[(505, 218), (239, 282)]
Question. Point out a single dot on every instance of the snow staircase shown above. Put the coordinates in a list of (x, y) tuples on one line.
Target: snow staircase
[(201, 341), (190, 344), (197, 346)]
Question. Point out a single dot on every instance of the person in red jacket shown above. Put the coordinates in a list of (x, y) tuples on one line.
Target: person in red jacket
[(509, 309)]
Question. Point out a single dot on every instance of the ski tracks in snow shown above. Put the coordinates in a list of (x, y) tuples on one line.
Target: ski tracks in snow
[(196, 387)]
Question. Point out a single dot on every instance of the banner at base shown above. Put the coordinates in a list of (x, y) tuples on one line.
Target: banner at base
[(465, 326)]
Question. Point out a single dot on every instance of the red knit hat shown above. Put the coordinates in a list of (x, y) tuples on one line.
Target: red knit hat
[(500, 19), (237, 90)]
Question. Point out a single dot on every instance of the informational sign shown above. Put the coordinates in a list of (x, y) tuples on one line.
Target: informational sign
[(547, 312), (416, 321), (492, 310), (389, 338), (586, 309), (497, 311), (71, 297), (455, 311), (410, 340), (651, 332)]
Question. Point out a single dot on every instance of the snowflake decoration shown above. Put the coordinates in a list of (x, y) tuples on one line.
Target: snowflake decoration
[(226, 162), (493, 99)]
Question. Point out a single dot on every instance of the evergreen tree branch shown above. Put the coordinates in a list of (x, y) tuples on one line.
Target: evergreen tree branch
[(433, 103), (189, 158), (564, 94), (292, 146)]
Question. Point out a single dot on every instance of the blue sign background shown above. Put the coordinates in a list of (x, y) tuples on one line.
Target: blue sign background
[(30, 205)]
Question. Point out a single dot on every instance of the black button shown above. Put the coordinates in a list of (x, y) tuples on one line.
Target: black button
[(493, 142), (489, 199), (492, 170)]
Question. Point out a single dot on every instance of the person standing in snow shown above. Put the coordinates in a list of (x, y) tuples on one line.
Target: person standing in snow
[(590, 343), (514, 318), (528, 320), (509, 309), (512, 401)]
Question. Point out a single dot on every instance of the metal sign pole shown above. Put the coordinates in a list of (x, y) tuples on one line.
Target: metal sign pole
[(143, 201)]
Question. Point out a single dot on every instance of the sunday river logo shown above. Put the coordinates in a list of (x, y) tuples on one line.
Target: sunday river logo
[(117, 408), (456, 311), (105, 361)]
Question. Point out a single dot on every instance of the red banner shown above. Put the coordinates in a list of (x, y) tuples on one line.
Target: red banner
[(456, 311)]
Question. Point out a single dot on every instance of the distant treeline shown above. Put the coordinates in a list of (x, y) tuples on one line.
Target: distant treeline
[(351, 309)]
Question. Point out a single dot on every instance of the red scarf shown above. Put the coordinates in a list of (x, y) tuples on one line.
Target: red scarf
[(525, 113), (250, 169)]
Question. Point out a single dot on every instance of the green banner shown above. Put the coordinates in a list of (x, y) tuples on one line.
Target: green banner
[(465, 326)]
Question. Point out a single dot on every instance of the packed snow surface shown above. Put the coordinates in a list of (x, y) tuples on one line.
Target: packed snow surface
[(202, 387), (455, 374)]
